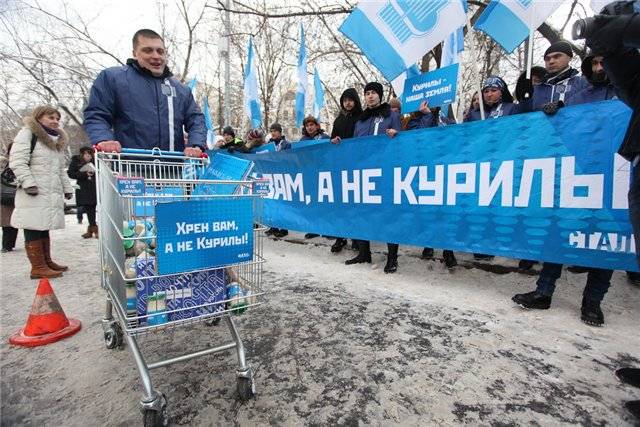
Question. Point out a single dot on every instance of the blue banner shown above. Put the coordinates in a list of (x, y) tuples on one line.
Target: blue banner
[(196, 235), (437, 87), (223, 167), (526, 186)]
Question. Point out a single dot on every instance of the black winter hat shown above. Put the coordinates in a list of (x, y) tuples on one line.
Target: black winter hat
[(374, 86), (228, 130), (276, 127), (561, 46)]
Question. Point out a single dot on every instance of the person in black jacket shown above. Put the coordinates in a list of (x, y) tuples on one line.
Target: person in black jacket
[(616, 37), (343, 127), (82, 169)]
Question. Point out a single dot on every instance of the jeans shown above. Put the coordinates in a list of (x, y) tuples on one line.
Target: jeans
[(598, 281)]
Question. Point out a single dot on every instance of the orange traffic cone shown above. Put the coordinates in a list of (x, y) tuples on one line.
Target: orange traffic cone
[(47, 322)]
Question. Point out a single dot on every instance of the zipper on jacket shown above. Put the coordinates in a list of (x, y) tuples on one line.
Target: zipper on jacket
[(155, 85)]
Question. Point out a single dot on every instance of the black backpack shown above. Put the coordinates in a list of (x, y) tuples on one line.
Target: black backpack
[(8, 178)]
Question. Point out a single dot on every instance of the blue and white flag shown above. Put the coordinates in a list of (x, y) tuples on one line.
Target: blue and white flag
[(451, 48), (394, 34), (398, 82), (192, 87), (318, 96), (509, 22), (251, 102), (208, 122), (301, 90)]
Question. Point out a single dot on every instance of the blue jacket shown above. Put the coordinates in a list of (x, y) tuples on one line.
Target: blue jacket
[(281, 144), (382, 116), (562, 87), (421, 121), (319, 135), (497, 110), (129, 105), (593, 93)]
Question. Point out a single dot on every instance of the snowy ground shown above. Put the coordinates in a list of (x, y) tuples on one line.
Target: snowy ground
[(336, 345)]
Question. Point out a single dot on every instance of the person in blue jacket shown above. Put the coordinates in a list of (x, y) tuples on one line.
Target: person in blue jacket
[(281, 144), (560, 83), (376, 119), (140, 105), (311, 129), (497, 100), (599, 88)]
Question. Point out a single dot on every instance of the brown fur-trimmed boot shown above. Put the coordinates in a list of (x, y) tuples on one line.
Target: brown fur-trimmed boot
[(88, 234), (46, 249), (39, 267), (94, 229)]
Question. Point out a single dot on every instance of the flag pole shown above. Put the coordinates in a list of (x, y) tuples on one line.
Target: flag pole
[(530, 44), (475, 69)]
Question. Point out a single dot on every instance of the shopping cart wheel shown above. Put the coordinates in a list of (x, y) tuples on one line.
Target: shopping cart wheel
[(113, 336), (246, 388), (157, 418)]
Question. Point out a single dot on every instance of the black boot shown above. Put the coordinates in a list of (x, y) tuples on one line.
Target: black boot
[(311, 235), (427, 253), (338, 245), (577, 269), (449, 259), (281, 233), (482, 257), (364, 254), (354, 244), (271, 231), (591, 313), (629, 376), (633, 406), (392, 258), (526, 264), (633, 278), (532, 300)]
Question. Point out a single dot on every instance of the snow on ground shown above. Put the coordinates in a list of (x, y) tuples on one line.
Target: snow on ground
[(336, 344)]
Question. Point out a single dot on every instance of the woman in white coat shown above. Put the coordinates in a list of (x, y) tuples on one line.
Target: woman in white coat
[(42, 184)]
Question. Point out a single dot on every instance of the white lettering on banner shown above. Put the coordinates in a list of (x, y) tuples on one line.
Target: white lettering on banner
[(325, 187), (214, 242), (294, 186), (425, 85), (466, 187), (502, 180), (188, 228), (621, 180), (437, 186), (269, 178), (184, 246), (224, 225), (404, 185), (547, 166), (569, 181), (279, 190), (608, 242), (368, 186), (351, 186)]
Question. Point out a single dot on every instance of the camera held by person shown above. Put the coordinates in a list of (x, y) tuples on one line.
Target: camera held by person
[(614, 28)]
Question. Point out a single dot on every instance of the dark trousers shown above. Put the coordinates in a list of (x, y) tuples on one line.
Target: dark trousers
[(79, 212), (598, 281), (634, 207), (9, 236), (90, 210), (32, 235)]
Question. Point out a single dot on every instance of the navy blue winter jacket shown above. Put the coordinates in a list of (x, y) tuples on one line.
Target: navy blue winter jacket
[(380, 115), (320, 135), (561, 87), (421, 121), (280, 144), (129, 105), (493, 112)]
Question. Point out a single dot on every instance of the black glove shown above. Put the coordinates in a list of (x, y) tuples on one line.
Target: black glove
[(551, 108), (32, 191), (231, 149)]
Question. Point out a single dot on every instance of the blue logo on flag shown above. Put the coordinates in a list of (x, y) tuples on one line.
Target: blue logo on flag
[(525, 3), (411, 17)]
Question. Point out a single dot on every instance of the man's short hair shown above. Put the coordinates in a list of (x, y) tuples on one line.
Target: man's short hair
[(145, 32)]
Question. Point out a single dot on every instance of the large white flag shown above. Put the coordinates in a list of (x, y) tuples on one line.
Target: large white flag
[(394, 34)]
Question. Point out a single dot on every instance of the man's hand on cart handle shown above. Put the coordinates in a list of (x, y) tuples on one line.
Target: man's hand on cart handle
[(193, 152), (109, 146)]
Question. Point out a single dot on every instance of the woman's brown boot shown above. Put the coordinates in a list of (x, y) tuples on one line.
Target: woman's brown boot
[(46, 246), (95, 231), (39, 267), (88, 234)]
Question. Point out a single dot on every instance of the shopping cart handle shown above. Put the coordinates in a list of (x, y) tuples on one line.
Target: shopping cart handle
[(152, 152)]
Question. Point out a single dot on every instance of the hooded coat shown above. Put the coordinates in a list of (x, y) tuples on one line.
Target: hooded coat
[(345, 124), (375, 121), (595, 91), (505, 107), (86, 193), (45, 169), (128, 104)]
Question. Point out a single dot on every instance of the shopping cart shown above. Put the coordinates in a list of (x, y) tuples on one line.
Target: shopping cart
[(137, 190)]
